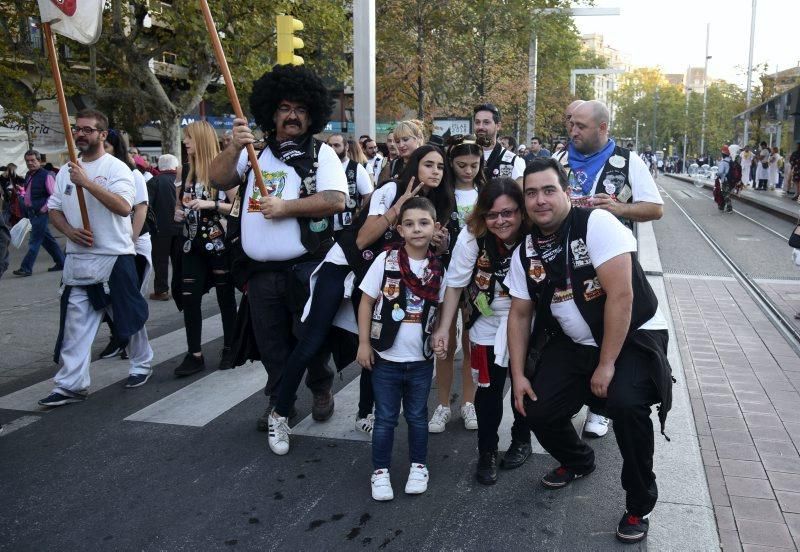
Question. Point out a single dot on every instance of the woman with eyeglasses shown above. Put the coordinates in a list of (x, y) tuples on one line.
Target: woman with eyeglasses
[(480, 261), (205, 261), (467, 178)]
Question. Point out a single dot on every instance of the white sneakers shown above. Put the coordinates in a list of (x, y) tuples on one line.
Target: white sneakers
[(278, 434), (439, 419), (417, 479), (365, 424), (469, 416), (382, 486), (596, 425), (442, 415)]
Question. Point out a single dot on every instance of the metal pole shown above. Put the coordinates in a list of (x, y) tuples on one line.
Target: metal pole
[(636, 139), (364, 66), (655, 113), (705, 95), (750, 72), (533, 54), (686, 91)]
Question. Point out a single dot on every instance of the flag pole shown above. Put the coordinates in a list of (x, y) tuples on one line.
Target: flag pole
[(62, 108), (234, 99)]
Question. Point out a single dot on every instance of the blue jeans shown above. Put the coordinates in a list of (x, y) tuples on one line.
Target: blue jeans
[(393, 382), (40, 235)]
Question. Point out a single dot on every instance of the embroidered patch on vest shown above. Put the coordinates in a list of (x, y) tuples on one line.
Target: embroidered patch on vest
[(392, 264), (482, 280), (375, 330), (391, 289), (536, 271), (580, 254), (592, 289)]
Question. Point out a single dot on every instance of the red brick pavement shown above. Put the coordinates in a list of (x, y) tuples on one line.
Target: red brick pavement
[(743, 381)]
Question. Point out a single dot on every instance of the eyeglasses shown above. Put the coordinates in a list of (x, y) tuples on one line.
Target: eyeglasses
[(505, 213), (286, 109), (86, 130)]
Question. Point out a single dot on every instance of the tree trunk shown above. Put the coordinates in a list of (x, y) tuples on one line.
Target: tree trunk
[(171, 135)]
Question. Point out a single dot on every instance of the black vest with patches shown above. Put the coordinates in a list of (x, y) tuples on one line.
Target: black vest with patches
[(589, 295), (347, 217), (393, 299), (491, 267), (613, 179), (500, 163)]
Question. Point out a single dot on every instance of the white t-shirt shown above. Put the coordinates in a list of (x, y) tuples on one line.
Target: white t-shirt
[(459, 275), (519, 163), (606, 238), (112, 233), (142, 243), (407, 346), (279, 239), (465, 203), (382, 199), (363, 185)]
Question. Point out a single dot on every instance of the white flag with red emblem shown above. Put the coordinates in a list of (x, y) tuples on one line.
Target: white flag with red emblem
[(79, 20)]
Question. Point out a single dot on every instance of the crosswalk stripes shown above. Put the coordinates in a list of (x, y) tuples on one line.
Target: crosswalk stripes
[(342, 425), (107, 372), (203, 400)]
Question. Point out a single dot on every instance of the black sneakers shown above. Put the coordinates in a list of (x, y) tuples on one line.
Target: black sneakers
[(322, 409), (516, 455), (561, 477), (137, 380), (225, 359), (190, 365), (632, 528), (57, 399), (113, 348), (486, 474)]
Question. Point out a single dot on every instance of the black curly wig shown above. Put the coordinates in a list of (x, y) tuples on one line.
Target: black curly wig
[(294, 83)]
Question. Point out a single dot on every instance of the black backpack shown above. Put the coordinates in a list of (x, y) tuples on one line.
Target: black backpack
[(734, 172)]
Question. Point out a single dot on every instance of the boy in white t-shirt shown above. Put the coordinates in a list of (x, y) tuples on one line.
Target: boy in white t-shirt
[(395, 318)]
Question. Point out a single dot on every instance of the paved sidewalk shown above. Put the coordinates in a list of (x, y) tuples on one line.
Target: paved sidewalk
[(776, 201), (743, 380)]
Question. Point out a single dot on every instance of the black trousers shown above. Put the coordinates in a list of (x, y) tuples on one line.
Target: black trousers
[(562, 386), (489, 409), (162, 246), (200, 272), (276, 305)]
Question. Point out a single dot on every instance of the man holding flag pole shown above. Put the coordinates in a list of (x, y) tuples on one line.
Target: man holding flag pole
[(99, 272)]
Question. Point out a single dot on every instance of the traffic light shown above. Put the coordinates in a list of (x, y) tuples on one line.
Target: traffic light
[(287, 42)]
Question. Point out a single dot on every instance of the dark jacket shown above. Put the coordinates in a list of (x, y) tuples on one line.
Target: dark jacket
[(161, 195)]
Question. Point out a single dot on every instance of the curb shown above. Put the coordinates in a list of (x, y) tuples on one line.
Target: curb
[(684, 498)]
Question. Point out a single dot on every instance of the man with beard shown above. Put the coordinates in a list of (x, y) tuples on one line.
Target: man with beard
[(285, 234), (100, 271), (605, 176), (499, 161), (359, 185), (599, 334)]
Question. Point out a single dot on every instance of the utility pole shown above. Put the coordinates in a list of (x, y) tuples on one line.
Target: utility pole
[(636, 139), (686, 91), (533, 54), (364, 66), (655, 113), (750, 72), (705, 95)]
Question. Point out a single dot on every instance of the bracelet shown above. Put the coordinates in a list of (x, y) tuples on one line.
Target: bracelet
[(387, 219)]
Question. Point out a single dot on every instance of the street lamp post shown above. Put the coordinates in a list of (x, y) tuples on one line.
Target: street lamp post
[(687, 91), (636, 138), (750, 72), (705, 94), (655, 115), (533, 55)]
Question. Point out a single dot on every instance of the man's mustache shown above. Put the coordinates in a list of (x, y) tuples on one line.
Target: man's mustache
[(294, 122)]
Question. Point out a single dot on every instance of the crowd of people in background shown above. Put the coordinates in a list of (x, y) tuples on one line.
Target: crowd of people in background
[(348, 252)]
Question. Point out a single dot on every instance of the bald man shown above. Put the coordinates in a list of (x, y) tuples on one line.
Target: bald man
[(603, 175)]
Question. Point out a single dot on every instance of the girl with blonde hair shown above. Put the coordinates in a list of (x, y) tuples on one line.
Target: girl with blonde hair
[(204, 262), (408, 136)]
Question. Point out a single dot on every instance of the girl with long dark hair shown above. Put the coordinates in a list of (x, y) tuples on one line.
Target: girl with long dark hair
[(480, 262)]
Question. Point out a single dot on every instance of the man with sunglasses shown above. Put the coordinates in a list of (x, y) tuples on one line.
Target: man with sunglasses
[(287, 233), (100, 271)]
